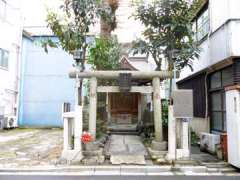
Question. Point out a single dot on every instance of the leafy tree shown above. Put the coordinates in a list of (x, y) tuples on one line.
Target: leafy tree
[(72, 26), (105, 54), (168, 33)]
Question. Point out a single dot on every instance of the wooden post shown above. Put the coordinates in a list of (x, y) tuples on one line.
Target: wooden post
[(108, 108), (139, 108), (93, 107), (157, 109)]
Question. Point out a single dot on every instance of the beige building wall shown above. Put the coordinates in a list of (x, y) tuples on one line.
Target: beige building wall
[(199, 125)]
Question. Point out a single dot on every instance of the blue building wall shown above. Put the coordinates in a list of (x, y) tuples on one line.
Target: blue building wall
[(44, 86)]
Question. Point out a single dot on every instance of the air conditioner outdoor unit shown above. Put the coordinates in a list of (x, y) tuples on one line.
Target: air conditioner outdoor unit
[(208, 142), (10, 122)]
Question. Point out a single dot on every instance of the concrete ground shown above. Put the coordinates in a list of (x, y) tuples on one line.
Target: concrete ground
[(40, 149), (30, 147)]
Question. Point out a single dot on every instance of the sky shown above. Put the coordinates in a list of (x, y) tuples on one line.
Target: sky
[(34, 12)]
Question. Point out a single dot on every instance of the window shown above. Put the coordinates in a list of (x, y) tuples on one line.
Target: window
[(4, 56), (236, 71), (201, 25), (218, 81), (222, 78), (218, 111), (2, 9), (227, 76)]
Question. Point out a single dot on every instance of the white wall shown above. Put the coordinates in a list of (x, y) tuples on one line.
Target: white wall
[(223, 40), (10, 40), (234, 29)]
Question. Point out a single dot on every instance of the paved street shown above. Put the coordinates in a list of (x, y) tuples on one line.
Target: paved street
[(76, 177)]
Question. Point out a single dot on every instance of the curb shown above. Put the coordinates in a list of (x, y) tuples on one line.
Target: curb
[(122, 170)]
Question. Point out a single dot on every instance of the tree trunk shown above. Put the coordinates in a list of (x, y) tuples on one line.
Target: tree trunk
[(106, 27)]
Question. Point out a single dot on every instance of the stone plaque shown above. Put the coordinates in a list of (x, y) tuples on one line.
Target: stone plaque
[(182, 103), (125, 80)]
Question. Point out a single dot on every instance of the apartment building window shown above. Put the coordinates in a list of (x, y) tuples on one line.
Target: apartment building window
[(3, 5), (4, 58), (201, 25), (218, 81)]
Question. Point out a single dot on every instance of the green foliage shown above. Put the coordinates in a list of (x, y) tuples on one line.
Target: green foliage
[(72, 26), (48, 42), (101, 128), (168, 33), (194, 138), (105, 54), (196, 7)]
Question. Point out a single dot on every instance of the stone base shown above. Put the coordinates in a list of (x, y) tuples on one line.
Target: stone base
[(159, 146), (157, 154), (98, 152), (182, 154), (91, 146), (93, 160), (170, 157), (72, 155)]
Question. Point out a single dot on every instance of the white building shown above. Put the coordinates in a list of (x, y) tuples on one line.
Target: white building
[(217, 26), (10, 42)]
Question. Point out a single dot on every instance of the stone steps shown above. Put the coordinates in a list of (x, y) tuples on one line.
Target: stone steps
[(123, 129), (222, 167), (125, 149), (123, 133)]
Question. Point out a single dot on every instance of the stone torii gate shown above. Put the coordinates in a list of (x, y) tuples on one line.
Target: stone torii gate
[(75, 119)]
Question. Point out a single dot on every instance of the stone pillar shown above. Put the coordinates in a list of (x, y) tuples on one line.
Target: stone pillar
[(158, 144), (184, 152), (185, 135), (171, 134), (157, 109), (78, 128), (67, 133), (93, 107)]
